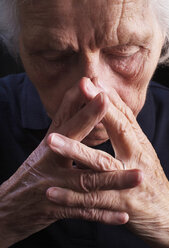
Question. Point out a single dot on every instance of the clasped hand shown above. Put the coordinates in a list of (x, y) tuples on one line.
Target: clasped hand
[(47, 187), (139, 195)]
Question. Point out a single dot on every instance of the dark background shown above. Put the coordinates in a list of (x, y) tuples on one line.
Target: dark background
[(9, 66)]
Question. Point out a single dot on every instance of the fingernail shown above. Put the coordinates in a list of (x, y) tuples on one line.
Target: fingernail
[(52, 194), (122, 218), (57, 141), (90, 87), (100, 97), (49, 193), (134, 177)]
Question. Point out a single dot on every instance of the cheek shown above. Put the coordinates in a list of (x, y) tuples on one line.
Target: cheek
[(134, 98), (128, 67), (49, 78), (133, 92), (44, 73), (131, 88)]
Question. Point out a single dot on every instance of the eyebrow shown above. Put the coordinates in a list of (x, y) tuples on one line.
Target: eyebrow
[(58, 41)]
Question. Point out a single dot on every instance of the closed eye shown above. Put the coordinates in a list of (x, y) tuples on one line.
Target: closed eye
[(127, 64), (58, 56), (121, 51)]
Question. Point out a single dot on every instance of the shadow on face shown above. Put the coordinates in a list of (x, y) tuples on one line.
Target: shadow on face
[(61, 41)]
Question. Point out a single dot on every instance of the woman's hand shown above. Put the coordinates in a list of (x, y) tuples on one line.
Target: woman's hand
[(147, 204), (24, 208)]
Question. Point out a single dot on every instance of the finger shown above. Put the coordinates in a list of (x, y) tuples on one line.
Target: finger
[(89, 181), (118, 103), (104, 216), (94, 200), (121, 105), (94, 159), (84, 121), (73, 100), (81, 124), (119, 128), (90, 88)]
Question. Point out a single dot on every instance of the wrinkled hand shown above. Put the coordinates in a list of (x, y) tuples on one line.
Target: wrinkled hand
[(147, 204), (24, 208)]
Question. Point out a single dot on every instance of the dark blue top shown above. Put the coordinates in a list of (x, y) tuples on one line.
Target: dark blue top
[(23, 124)]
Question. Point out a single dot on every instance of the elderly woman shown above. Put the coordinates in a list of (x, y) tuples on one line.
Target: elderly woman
[(73, 156)]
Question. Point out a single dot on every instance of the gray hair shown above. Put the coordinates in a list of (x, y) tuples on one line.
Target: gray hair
[(9, 25), (161, 8)]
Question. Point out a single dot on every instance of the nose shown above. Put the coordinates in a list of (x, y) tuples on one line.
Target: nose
[(90, 63)]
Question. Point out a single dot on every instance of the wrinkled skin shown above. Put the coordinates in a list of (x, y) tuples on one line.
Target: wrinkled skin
[(147, 204), (119, 42), (116, 45), (24, 207)]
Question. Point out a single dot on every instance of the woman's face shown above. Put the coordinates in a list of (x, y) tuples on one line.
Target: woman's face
[(117, 41)]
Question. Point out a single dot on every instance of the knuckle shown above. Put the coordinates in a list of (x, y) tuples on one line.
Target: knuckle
[(142, 159), (90, 200), (129, 204), (102, 161), (105, 161), (56, 122), (94, 214), (119, 164), (129, 114), (56, 212), (109, 161), (142, 139), (65, 213), (116, 202), (145, 161), (77, 148), (126, 111), (123, 127), (88, 181), (90, 214), (101, 215), (110, 180), (114, 179)]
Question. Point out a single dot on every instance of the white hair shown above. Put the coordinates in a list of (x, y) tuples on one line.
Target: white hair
[(161, 8), (9, 25)]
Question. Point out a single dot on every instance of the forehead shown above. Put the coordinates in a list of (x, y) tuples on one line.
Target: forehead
[(98, 22)]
